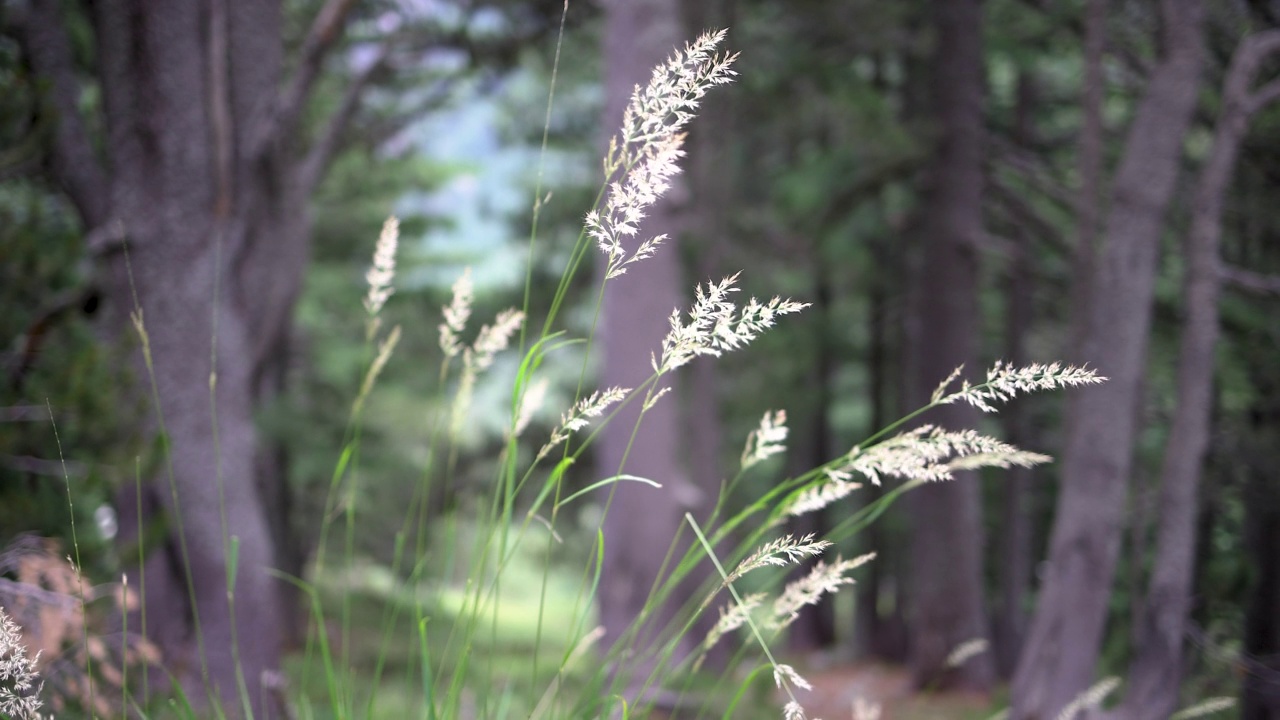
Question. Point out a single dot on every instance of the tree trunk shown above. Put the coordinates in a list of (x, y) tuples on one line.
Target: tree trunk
[(1261, 693), (643, 521), (197, 214), (1062, 647), (810, 447), (946, 589), (1089, 194), (1156, 672), (1009, 623)]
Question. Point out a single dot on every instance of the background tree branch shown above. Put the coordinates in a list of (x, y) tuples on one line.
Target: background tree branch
[(324, 32), (317, 160), (1252, 281)]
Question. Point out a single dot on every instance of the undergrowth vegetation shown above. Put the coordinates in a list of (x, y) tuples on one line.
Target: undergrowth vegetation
[(489, 611)]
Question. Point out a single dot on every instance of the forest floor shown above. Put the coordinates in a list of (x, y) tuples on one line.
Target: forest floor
[(837, 687)]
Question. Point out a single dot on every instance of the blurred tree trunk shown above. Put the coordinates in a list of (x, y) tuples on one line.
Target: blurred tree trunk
[(1156, 672), (643, 522), (885, 637), (810, 444), (1062, 647), (1089, 160), (195, 210), (711, 195), (1009, 622), (1261, 692), (946, 589), (708, 229)]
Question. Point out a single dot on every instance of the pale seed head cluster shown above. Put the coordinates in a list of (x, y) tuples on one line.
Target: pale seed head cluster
[(383, 270), (966, 651), (822, 580), (837, 485), (643, 157), (864, 709), (1210, 706), (1090, 698), (581, 414), (932, 453), (479, 355), (786, 675), (716, 325), (530, 402), (793, 711), (926, 454), (493, 339), (19, 691), (733, 616), (456, 314), (786, 678), (1006, 381), (767, 440), (784, 551)]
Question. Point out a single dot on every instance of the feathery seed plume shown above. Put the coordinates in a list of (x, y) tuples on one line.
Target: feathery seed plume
[(767, 440), (931, 453), (1089, 698), (821, 580), (643, 157), (383, 270), (786, 550), (793, 711), (579, 416), (732, 618), (1006, 381), (530, 402), (966, 650), (864, 709), (716, 325), (456, 314), (838, 485), (19, 693), (1205, 707), (494, 338), (786, 675)]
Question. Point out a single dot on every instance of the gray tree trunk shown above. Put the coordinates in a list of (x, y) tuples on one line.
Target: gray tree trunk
[(1089, 154), (1009, 623), (946, 591), (1062, 647), (1156, 672), (197, 212), (1260, 694), (643, 521)]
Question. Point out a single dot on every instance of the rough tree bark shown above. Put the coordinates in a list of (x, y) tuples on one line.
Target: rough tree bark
[(1062, 648), (197, 207), (947, 607), (1156, 672), (642, 521)]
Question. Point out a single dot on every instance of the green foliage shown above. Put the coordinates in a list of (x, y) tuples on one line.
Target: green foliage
[(53, 362)]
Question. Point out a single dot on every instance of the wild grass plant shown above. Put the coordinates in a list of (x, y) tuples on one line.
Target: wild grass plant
[(19, 681), (423, 646), (529, 494)]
